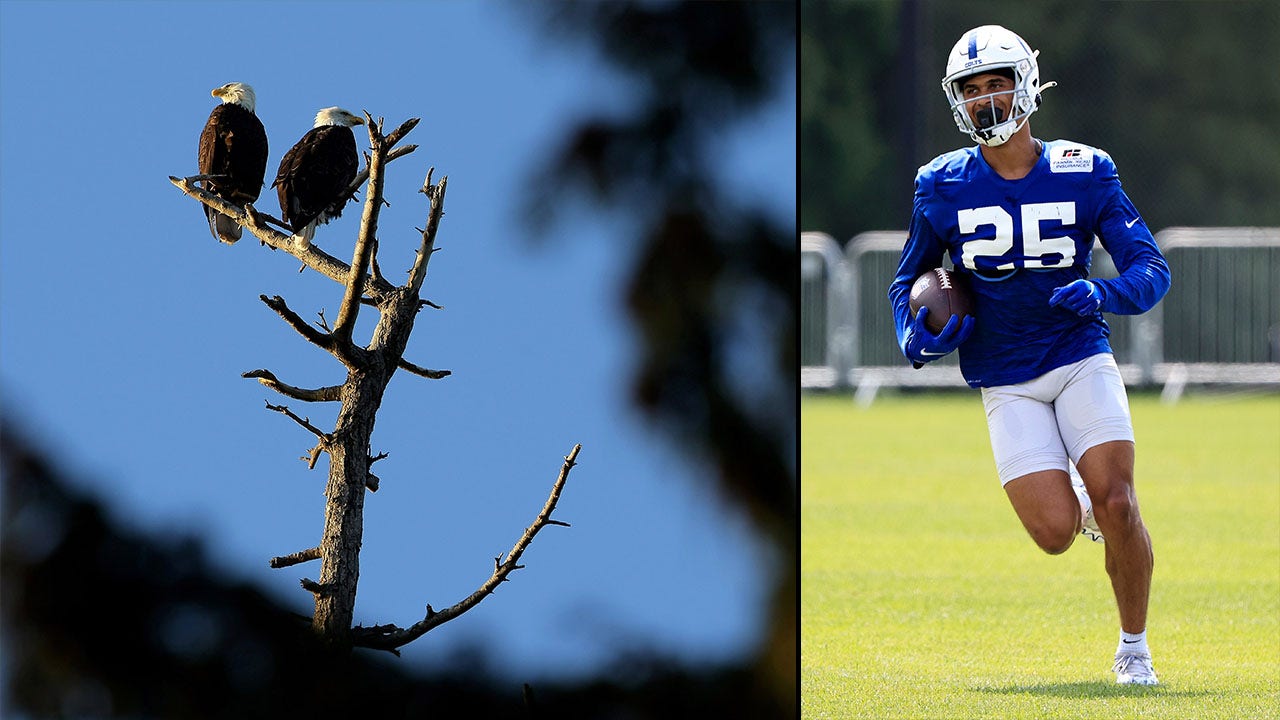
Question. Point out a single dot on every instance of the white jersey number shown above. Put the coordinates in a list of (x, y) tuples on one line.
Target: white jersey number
[(1039, 252)]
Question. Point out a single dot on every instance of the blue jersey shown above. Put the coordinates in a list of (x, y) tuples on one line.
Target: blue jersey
[(1018, 240)]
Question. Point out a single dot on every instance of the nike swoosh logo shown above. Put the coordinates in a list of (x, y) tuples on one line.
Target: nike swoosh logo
[(1128, 642), (932, 354), (1131, 223)]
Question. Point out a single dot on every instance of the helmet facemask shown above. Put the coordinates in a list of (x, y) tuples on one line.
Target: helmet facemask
[(990, 123)]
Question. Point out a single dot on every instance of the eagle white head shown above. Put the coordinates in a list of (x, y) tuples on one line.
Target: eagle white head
[(237, 92), (337, 116)]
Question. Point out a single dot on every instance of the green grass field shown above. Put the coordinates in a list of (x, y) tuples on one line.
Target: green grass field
[(922, 596)]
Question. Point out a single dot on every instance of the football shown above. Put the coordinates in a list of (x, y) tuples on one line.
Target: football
[(945, 294)]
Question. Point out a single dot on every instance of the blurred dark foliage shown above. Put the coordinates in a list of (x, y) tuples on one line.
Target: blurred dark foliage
[(1183, 94), (714, 293), (101, 622)]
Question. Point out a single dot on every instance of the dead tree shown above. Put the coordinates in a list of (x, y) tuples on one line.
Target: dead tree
[(369, 368)]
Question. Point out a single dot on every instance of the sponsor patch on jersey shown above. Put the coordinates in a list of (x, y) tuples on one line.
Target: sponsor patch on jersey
[(1070, 158)]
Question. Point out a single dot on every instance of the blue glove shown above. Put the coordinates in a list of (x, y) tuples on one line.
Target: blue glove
[(1080, 297), (921, 346)]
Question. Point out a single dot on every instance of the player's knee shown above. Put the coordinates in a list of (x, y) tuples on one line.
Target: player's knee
[(1119, 510), (1053, 538), (1057, 545)]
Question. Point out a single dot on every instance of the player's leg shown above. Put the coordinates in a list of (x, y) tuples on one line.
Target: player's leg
[(1031, 462), (1107, 470), (1093, 417)]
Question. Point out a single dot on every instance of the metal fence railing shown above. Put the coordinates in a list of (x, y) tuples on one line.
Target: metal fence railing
[(824, 286), (1219, 324)]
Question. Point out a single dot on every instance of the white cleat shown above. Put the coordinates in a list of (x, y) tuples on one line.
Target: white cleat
[(1134, 669), (1090, 529)]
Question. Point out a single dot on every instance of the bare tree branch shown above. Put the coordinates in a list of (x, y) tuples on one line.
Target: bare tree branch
[(296, 558), (314, 587), (435, 194), (424, 372), (314, 336), (324, 394), (374, 269), (255, 213), (390, 637), (398, 134), (350, 307), (313, 456), (312, 256), (363, 175), (304, 422)]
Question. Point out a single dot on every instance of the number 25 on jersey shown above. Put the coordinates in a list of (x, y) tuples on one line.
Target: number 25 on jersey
[(1038, 253)]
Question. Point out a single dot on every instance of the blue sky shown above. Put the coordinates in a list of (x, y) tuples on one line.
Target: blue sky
[(125, 325)]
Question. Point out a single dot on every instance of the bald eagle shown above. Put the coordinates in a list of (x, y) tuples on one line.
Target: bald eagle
[(315, 174), (233, 145)]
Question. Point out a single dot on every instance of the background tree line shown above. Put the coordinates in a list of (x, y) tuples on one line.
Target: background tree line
[(1184, 96)]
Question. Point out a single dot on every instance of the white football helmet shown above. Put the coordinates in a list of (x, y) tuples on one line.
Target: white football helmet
[(992, 48)]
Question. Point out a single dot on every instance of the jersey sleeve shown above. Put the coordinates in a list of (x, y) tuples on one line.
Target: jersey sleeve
[(923, 251), (1144, 275)]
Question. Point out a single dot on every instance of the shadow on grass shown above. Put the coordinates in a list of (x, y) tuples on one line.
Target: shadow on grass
[(1090, 689)]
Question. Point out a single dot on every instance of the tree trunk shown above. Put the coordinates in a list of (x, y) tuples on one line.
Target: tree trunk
[(344, 506), (349, 460)]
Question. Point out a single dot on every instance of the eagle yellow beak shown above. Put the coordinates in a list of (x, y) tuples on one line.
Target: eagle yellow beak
[(218, 92)]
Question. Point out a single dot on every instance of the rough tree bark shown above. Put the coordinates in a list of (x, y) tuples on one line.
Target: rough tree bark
[(369, 369)]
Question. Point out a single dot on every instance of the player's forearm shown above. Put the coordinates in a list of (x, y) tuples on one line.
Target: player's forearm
[(1138, 288)]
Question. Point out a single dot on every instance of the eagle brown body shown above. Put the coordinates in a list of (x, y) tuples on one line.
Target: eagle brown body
[(233, 146), (314, 175)]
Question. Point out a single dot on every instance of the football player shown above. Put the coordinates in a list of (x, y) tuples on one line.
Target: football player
[(1018, 216)]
